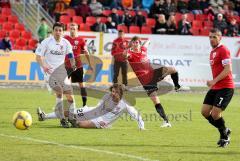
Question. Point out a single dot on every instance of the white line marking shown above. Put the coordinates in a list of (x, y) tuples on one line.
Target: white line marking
[(78, 147)]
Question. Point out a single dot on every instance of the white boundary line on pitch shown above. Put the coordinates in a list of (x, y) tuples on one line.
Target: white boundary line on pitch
[(78, 147)]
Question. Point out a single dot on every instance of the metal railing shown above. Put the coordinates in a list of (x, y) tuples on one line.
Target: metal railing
[(30, 13)]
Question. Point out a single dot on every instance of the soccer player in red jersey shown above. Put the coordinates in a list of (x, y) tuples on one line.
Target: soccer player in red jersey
[(221, 87), (79, 47), (148, 77), (119, 45)]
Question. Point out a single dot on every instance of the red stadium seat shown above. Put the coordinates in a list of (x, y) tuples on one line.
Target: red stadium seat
[(204, 32), (197, 24), (120, 12), (32, 44), (77, 19), (85, 27), (70, 12), (20, 42), (150, 22), (103, 19), (132, 13), (207, 24), (14, 34), (19, 27), (106, 12), (194, 31), (65, 19), (91, 20), (6, 11), (3, 19), (201, 17), (144, 13), (7, 26), (134, 29), (190, 17), (26, 35), (178, 17), (122, 27), (2, 33), (146, 30), (13, 19)]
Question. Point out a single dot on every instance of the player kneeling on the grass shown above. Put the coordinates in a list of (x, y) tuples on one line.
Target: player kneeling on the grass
[(221, 87), (149, 77), (108, 110), (51, 55)]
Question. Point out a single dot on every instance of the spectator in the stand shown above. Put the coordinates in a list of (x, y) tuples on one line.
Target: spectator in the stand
[(184, 26), (111, 26), (233, 29), (83, 10), (96, 8), (220, 23), (161, 25), (182, 6), (127, 4), (99, 26), (171, 25), (237, 6), (43, 30), (74, 3), (216, 5), (116, 4), (106, 3), (67, 2), (5, 44), (146, 4), (194, 7), (204, 4), (157, 8), (137, 4), (170, 8), (115, 17), (59, 9), (127, 19), (139, 19)]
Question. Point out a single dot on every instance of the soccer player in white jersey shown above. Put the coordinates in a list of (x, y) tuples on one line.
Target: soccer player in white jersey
[(51, 55), (107, 111)]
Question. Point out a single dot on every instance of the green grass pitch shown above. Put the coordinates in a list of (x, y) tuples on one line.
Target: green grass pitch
[(190, 139)]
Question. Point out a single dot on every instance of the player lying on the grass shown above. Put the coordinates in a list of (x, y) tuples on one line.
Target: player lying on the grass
[(221, 87), (149, 77), (51, 55), (107, 111)]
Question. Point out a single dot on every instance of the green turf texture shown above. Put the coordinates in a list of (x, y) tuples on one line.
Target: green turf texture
[(190, 139)]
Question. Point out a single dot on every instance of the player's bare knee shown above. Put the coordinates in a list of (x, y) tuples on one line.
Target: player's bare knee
[(205, 112), (215, 115)]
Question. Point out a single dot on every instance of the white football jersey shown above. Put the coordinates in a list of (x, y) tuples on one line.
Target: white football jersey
[(54, 52), (108, 111)]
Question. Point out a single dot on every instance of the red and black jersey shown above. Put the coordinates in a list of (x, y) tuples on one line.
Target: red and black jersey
[(141, 65), (119, 45), (79, 46), (219, 57)]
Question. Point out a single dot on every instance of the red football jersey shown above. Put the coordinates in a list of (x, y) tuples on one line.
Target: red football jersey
[(219, 57), (78, 45), (119, 45), (141, 65)]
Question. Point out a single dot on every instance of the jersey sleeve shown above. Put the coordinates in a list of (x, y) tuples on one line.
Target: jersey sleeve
[(41, 49), (225, 57), (105, 97), (83, 45), (135, 115)]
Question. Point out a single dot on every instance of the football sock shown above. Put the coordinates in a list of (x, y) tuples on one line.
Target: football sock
[(220, 124), (59, 108), (51, 116), (161, 112), (211, 121), (175, 79), (84, 95), (72, 107)]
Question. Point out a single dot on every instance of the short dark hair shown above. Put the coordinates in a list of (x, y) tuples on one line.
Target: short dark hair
[(58, 24), (216, 30), (135, 38), (120, 31), (118, 88)]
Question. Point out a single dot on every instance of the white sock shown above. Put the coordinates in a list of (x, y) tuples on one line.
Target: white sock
[(72, 108), (51, 116), (59, 108)]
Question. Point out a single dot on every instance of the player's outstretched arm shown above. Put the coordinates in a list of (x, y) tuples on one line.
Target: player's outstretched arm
[(136, 116), (146, 43)]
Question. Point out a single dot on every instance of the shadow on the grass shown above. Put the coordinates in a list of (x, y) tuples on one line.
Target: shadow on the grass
[(211, 153)]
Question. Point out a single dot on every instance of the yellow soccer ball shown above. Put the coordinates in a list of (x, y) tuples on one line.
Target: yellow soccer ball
[(22, 120)]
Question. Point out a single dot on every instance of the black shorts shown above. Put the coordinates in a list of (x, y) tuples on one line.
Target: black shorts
[(219, 98), (76, 76), (158, 75)]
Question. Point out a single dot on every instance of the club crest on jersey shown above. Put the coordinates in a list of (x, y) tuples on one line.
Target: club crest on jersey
[(76, 42), (214, 55)]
